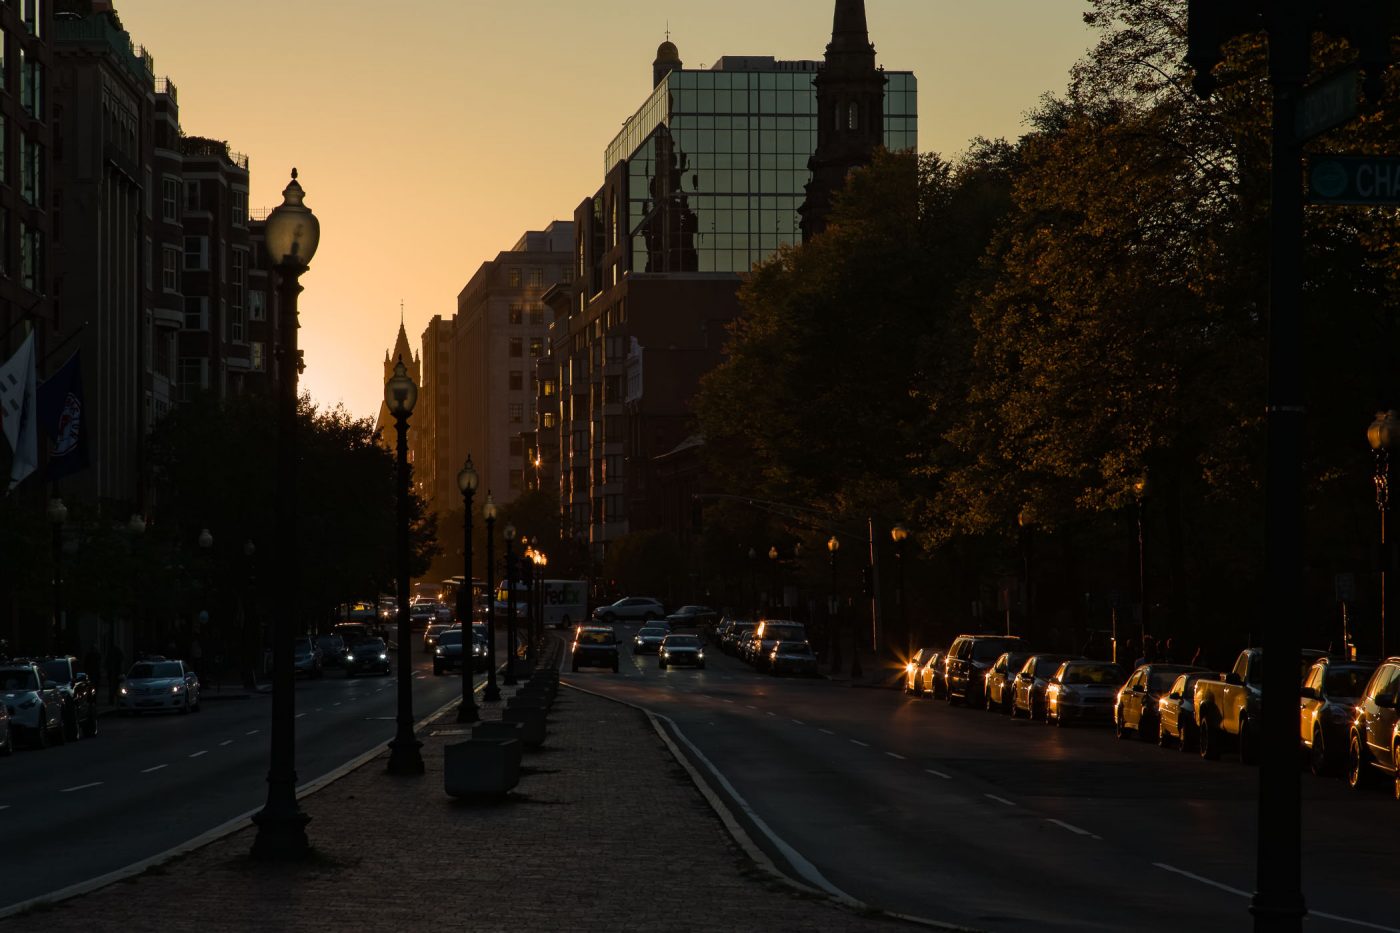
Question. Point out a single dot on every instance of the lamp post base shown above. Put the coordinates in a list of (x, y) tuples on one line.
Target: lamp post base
[(1277, 912), (468, 710), (404, 757), (281, 834)]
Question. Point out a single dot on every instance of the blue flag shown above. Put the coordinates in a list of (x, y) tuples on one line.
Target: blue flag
[(62, 417)]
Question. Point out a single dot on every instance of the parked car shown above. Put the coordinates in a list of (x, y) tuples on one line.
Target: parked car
[(932, 674), (630, 609), (332, 650), (969, 659), (734, 638), (1374, 741), (1000, 680), (1083, 691), (79, 695), (34, 710), (766, 637), (913, 671), (431, 634), (158, 684), (648, 640), (7, 737), (1326, 706), (792, 657), (1137, 704), (306, 658), (1028, 686), (595, 646), (1176, 712), (367, 656), (676, 650)]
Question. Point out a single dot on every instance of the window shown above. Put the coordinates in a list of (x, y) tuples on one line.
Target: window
[(517, 347), (257, 306), (163, 348), (515, 313), (550, 388), (31, 258), (567, 274), (517, 380), (515, 479), (548, 420), (197, 253), (31, 85), (170, 199), (170, 269), (31, 168), (194, 376), (853, 117), (191, 195), (517, 446), (239, 267), (516, 412), (536, 278), (257, 356), (4, 166), (536, 346), (196, 312), (33, 17), (536, 314), (513, 278), (239, 209)]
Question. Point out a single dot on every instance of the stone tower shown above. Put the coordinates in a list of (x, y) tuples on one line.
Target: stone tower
[(850, 113)]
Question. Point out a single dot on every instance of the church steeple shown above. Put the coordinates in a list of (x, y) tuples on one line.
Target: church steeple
[(850, 112)]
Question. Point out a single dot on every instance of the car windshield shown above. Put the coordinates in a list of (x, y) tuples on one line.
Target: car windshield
[(681, 641), (1045, 666), (57, 671), (795, 649), (370, 644), (1161, 681), (1102, 674), (1346, 681), (595, 638), (652, 632), (988, 650), (450, 638), (18, 680), (158, 669)]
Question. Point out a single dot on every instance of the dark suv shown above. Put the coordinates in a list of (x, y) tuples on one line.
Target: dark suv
[(1375, 731), (969, 659), (595, 646), (79, 695)]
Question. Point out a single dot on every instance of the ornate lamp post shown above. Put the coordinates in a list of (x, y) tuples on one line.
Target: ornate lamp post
[(493, 691), (400, 395), (510, 605), (58, 514), (467, 480), (532, 604), (1384, 436), (292, 234), (833, 643), (899, 534)]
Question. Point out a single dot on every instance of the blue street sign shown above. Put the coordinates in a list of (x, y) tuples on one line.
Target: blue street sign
[(1366, 180)]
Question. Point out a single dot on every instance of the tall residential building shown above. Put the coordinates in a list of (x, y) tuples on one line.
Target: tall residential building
[(704, 180), (501, 329), (436, 471), (165, 286)]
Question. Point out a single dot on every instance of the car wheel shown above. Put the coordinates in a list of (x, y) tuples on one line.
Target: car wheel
[(1317, 756), (1358, 768), (614, 667), (1144, 732), (1208, 739), (185, 709), (71, 733), (988, 704), (1118, 728), (1183, 737), (1249, 747)]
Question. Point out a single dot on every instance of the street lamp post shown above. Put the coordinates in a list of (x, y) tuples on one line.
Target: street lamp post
[(899, 534), (493, 690), (291, 235), (58, 514), (1140, 492), (773, 596), (1384, 436), (400, 395), (467, 480), (833, 642), (510, 605)]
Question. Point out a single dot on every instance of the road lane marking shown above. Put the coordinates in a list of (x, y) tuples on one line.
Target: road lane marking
[(747, 706), (156, 768), (1001, 800), (69, 790), (225, 742), (197, 754), (318, 709), (335, 704), (895, 755), (827, 731), (940, 774), (1214, 884), (4, 806), (772, 714), (728, 701), (799, 722), (299, 715), (1072, 828), (1359, 923), (860, 743), (252, 732)]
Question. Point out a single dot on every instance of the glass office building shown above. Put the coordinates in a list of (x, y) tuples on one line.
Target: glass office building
[(717, 161)]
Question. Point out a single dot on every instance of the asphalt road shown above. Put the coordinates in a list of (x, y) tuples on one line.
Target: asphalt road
[(143, 785), (969, 817)]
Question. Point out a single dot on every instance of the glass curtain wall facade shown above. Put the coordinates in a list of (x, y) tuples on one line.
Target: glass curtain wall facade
[(717, 163)]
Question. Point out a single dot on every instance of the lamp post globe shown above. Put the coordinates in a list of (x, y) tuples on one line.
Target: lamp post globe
[(400, 392), (137, 525), (292, 232), (467, 477)]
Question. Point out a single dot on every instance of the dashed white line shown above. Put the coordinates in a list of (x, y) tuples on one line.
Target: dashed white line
[(747, 706), (799, 722), (197, 754), (1072, 828), (4, 806), (772, 714), (299, 715), (860, 743), (727, 700), (335, 704), (827, 731), (1000, 800), (895, 755), (318, 709), (156, 768), (252, 732), (938, 774), (69, 790), (225, 742)]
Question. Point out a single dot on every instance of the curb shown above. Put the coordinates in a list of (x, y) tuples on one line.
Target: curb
[(725, 801), (221, 831)]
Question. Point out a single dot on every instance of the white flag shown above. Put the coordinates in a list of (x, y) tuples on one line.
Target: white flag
[(19, 418)]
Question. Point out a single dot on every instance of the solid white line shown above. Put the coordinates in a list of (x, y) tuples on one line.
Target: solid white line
[(895, 755), (69, 790), (1214, 884), (860, 743), (156, 768), (225, 742), (197, 754), (946, 777), (799, 722), (1001, 800), (1359, 923), (1072, 828)]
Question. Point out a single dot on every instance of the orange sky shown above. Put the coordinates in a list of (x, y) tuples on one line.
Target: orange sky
[(430, 134)]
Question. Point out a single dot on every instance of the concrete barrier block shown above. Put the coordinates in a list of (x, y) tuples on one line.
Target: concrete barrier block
[(481, 768)]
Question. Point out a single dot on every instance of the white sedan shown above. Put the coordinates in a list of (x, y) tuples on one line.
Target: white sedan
[(158, 685)]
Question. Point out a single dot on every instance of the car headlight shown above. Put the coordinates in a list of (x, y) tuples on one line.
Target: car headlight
[(122, 691), (176, 689), (439, 651), (383, 657), (699, 655)]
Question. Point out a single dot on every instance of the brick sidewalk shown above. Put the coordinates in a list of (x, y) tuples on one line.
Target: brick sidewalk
[(580, 846)]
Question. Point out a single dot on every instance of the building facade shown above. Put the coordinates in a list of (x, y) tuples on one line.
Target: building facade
[(436, 472), (707, 178)]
